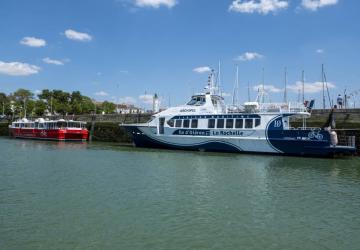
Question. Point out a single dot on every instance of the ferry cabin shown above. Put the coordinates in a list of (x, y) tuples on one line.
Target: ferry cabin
[(49, 124)]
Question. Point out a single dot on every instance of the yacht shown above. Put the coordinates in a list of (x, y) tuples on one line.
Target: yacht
[(205, 123)]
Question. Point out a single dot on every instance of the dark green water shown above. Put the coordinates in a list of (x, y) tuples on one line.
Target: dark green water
[(99, 196)]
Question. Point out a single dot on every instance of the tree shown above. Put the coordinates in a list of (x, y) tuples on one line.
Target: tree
[(61, 101), (22, 101), (108, 107), (4, 104), (40, 107)]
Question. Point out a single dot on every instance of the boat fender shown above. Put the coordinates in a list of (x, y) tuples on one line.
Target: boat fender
[(333, 138)]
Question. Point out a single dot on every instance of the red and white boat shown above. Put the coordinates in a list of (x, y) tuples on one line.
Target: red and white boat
[(58, 130)]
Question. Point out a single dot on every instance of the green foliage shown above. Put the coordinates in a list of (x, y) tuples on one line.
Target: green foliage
[(51, 101), (108, 107)]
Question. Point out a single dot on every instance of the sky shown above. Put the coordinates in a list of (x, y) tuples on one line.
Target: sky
[(127, 50)]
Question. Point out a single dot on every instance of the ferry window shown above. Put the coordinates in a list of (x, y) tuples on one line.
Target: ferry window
[(257, 122), (200, 101), (61, 124), (192, 102), (239, 123), (229, 123), (170, 123), (248, 123), (211, 123), (186, 123), (41, 125), (194, 123), (220, 123), (178, 123)]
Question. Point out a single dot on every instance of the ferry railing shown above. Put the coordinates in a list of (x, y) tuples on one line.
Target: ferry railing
[(347, 140), (291, 107), (305, 128)]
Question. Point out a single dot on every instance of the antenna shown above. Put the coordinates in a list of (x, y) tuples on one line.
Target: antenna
[(285, 89), (248, 90)]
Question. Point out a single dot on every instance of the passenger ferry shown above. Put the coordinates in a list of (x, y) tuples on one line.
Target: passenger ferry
[(58, 130), (206, 124)]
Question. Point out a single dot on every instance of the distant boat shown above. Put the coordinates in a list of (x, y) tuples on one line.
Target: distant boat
[(205, 123), (58, 130)]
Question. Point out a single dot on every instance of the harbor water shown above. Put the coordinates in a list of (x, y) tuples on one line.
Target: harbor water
[(56, 195)]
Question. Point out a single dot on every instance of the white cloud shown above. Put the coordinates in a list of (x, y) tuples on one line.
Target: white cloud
[(37, 92), (147, 99), (309, 87), (258, 6), (77, 36), (320, 51), (249, 56), (268, 88), (33, 42), (18, 68), (155, 3), (127, 100), (101, 93), (316, 4), (203, 69), (52, 61)]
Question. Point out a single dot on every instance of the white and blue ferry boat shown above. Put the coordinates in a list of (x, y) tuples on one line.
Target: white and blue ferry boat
[(205, 123)]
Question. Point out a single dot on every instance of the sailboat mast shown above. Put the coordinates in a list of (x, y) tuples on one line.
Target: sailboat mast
[(285, 89), (263, 86), (236, 88), (323, 84), (217, 87), (303, 85)]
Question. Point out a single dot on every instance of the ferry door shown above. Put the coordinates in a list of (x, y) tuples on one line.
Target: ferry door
[(161, 125)]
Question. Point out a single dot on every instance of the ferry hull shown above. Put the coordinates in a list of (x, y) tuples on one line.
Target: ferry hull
[(54, 134), (280, 146)]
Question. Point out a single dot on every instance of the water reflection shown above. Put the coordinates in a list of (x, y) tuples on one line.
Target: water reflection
[(49, 145), (342, 167)]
